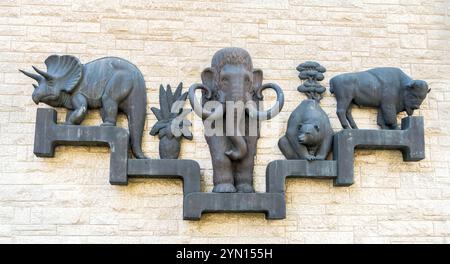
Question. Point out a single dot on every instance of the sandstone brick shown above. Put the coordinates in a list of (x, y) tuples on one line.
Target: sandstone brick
[(87, 230), (5, 233), (67, 199), (325, 237), (34, 230), (242, 30), (124, 26), (413, 41), (49, 239), (22, 216), (88, 27), (399, 228), (64, 216)]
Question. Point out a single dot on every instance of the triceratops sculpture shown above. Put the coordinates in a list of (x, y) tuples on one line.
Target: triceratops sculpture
[(110, 83)]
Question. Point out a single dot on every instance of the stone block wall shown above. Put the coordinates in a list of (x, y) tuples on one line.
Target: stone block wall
[(68, 198)]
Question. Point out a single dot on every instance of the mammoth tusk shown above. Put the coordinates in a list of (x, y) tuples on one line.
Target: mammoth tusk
[(272, 112), (31, 75), (198, 109), (35, 86), (43, 73)]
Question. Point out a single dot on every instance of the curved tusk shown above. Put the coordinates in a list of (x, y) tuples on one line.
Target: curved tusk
[(43, 73), (272, 112), (198, 109), (31, 75)]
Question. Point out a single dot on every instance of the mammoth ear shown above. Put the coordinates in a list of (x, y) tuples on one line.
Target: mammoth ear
[(66, 72), (208, 75), (257, 78)]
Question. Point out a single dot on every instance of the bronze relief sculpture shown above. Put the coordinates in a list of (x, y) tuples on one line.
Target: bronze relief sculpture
[(231, 98), (110, 84), (171, 125), (309, 135), (389, 89), (231, 80)]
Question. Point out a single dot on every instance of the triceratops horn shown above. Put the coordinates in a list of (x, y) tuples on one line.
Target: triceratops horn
[(43, 73), (31, 75)]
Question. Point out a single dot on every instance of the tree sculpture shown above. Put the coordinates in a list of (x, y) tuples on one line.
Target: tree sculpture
[(311, 73)]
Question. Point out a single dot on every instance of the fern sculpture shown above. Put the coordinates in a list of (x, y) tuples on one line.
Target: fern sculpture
[(171, 125)]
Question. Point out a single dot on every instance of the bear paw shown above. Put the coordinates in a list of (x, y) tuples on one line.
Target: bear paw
[(311, 158)]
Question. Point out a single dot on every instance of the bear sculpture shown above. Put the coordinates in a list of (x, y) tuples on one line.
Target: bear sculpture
[(309, 134)]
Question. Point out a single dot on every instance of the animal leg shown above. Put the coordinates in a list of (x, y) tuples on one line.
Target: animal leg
[(109, 111), (117, 89), (324, 148), (389, 116), (69, 113), (80, 105), (303, 153), (243, 176), (380, 120), (222, 174), (222, 165), (349, 116), (341, 112), (286, 148)]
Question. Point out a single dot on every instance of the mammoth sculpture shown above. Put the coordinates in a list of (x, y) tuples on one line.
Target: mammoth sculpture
[(110, 83), (232, 79), (388, 89)]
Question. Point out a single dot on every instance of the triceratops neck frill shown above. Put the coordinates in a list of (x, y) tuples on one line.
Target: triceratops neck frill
[(66, 72)]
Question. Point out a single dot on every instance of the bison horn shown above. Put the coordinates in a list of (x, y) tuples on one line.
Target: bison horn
[(31, 75), (43, 73)]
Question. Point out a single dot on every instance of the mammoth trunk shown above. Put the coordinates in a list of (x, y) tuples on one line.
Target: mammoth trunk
[(235, 134)]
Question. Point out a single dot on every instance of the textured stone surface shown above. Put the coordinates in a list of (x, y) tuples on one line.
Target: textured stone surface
[(187, 170), (391, 201), (272, 204), (277, 171), (49, 134), (410, 140)]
